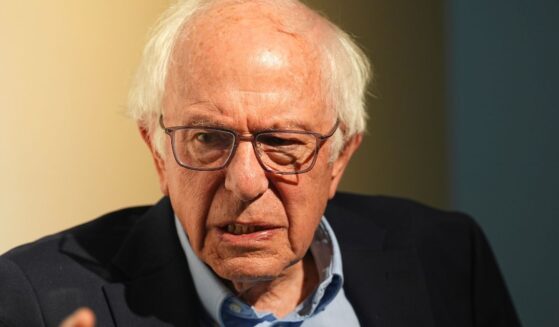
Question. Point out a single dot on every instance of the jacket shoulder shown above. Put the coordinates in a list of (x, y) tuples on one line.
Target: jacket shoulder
[(452, 254), (43, 281), (18, 304), (401, 220), (109, 228)]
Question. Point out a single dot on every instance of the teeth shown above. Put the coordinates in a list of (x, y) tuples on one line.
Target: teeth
[(239, 229)]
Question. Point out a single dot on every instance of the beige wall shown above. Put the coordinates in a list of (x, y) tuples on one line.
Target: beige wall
[(68, 153)]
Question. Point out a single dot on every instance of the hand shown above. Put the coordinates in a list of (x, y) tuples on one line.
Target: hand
[(82, 317)]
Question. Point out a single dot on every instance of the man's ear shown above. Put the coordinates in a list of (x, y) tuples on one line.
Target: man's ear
[(157, 160), (339, 165)]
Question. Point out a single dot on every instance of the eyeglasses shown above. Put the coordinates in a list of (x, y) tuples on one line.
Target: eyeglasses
[(278, 151)]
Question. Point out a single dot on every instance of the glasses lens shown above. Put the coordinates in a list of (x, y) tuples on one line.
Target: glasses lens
[(286, 151), (203, 148)]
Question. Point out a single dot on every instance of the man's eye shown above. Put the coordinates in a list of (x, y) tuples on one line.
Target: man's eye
[(273, 140), (204, 137), (212, 138)]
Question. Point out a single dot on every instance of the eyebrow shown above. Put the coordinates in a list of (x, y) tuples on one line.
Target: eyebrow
[(289, 124), (280, 125), (207, 123), (202, 113)]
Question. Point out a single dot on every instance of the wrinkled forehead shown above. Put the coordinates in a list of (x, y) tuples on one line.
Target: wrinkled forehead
[(248, 41)]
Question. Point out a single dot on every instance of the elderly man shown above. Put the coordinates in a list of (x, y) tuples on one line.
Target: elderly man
[(252, 110)]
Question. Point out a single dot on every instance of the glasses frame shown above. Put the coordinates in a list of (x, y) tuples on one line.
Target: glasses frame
[(238, 138)]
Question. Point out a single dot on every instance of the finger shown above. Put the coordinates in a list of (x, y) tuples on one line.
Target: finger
[(82, 317)]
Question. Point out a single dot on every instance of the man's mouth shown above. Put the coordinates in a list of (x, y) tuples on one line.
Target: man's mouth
[(241, 229)]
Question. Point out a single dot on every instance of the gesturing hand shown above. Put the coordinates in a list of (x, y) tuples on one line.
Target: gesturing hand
[(82, 317)]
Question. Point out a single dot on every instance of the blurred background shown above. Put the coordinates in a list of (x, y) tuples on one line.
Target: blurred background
[(462, 117)]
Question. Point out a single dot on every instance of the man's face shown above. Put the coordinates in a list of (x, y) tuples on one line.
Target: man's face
[(247, 76)]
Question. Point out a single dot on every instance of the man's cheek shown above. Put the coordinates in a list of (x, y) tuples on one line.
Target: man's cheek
[(208, 251)]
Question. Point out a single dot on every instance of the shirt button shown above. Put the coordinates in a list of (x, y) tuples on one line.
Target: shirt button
[(235, 307)]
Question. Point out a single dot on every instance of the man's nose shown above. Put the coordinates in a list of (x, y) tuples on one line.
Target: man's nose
[(244, 176)]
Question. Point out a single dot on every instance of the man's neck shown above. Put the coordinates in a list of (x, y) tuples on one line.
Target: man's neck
[(282, 294)]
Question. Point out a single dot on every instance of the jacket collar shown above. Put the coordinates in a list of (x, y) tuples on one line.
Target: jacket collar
[(151, 244)]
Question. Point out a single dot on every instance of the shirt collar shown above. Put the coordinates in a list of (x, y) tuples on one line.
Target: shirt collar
[(324, 248)]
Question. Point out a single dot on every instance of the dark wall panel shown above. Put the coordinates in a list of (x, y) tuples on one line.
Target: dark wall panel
[(504, 102)]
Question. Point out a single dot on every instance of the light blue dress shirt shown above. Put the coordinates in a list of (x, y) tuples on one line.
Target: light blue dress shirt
[(326, 306)]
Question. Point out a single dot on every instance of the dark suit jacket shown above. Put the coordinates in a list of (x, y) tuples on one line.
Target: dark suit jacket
[(405, 265)]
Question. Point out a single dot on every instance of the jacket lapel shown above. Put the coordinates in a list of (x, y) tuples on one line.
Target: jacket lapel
[(383, 278), (164, 298), (157, 289)]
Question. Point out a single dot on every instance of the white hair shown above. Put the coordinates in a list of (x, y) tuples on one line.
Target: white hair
[(345, 73)]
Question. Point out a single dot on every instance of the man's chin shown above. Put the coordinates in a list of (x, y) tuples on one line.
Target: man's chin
[(250, 270)]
